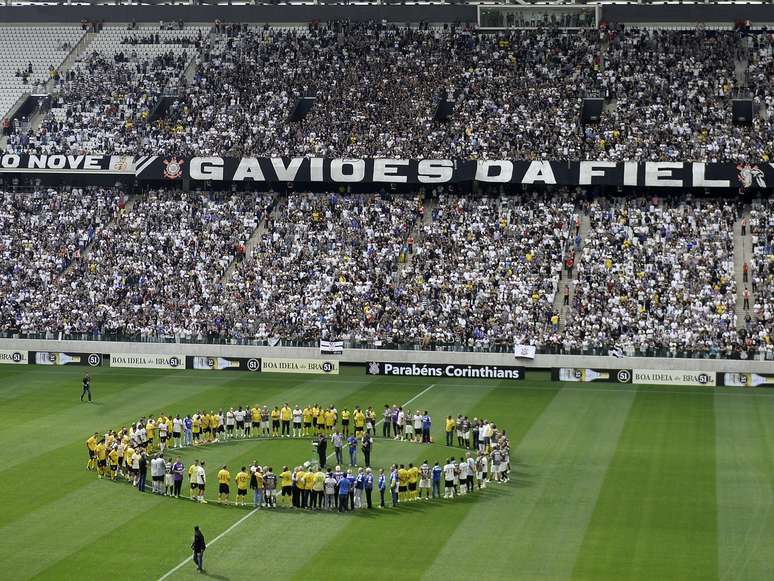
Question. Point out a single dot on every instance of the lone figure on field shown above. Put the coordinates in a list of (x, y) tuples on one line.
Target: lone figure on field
[(86, 386), (198, 547)]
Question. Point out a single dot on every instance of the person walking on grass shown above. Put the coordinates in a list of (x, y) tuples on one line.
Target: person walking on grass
[(198, 546)]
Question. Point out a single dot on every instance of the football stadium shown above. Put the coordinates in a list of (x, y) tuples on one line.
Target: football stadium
[(446, 290)]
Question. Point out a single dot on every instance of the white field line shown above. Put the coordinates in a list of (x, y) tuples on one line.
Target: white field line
[(215, 540)]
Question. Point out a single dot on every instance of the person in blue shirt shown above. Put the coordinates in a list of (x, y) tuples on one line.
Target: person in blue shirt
[(343, 493), (437, 471), (187, 431), (369, 487), (426, 428), (352, 441), (382, 486)]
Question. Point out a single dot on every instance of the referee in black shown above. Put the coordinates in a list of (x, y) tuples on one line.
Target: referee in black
[(86, 386)]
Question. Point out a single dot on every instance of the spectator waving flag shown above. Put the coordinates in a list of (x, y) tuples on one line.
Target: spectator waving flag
[(331, 347)]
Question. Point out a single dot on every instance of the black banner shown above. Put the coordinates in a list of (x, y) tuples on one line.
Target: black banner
[(446, 370), (586, 375), (62, 358), (223, 363), (311, 170), (444, 171)]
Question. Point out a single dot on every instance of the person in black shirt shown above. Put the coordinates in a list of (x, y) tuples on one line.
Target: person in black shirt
[(86, 386), (322, 449), (198, 547)]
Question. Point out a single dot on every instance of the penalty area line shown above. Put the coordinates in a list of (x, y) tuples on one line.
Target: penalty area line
[(212, 542)]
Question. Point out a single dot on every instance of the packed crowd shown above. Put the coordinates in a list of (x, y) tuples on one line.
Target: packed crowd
[(517, 95), (656, 275), (153, 271), (150, 442), (104, 105), (325, 263), (432, 270), (761, 274), (42, 234), (485, 271)]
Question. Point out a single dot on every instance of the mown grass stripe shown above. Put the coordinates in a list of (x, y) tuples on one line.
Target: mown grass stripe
[(745, 496), (559, 465), (656, 516)]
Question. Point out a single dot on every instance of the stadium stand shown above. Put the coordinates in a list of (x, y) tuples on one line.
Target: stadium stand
[(656, 275), (30, 55), (518, 93)]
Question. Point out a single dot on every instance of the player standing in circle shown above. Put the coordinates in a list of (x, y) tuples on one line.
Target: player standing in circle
[(86, 386)]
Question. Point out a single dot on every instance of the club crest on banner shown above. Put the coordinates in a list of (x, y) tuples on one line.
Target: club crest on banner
[(173, 168)]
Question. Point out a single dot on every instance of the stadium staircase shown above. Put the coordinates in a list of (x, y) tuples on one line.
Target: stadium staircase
[(128, 204), (742, 252), (565, 311), (255, 237)]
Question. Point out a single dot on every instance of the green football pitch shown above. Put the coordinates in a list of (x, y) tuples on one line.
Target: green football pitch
[(608, 482)]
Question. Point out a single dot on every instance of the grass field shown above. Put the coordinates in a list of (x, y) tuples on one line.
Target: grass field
[(609, 482)]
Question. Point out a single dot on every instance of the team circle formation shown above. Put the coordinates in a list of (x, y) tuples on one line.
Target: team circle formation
[(325, 484)]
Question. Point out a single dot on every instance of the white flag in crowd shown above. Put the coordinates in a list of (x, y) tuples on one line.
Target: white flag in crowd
[(331, 347), (524, 351)]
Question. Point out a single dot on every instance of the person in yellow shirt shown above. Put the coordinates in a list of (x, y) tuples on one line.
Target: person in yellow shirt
[(285, 414), (255, 414), (298, 487), (113, 461), (308, 486), (345, 415), (275, 422), (150, 431), (224, 477), (326, 420), (101, 458), (359, 420), (318, 489), (242, 479), (307, 420), (413, 477), (286, 482), (91, 448), (315, 417), (205, 419), (450, 425), (196, 427), (192, 472), (402, 483)]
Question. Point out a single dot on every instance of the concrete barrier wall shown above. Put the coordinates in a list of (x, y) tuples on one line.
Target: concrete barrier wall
[(366, 355)]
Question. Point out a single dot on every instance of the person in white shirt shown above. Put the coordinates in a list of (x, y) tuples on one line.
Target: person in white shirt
[(230, 421), (201, 480), (239, 417), (417, 426), (298, 415), (401, 424), (177, 430), (462, 470), (169, 481), (163, 433), (449, 471)]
